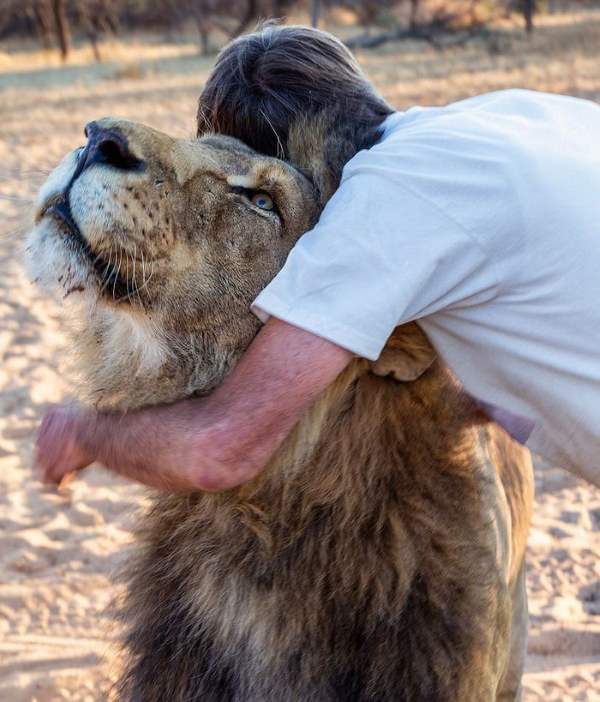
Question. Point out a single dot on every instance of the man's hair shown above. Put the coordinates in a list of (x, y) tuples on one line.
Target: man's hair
[(264, 82)]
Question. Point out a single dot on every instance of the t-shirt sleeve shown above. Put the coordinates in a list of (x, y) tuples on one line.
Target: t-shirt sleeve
[(382, 254)]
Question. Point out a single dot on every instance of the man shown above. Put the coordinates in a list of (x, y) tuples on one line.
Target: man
[(480, 220)]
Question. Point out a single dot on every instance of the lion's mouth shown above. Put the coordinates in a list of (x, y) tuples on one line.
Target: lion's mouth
[(112, 285)]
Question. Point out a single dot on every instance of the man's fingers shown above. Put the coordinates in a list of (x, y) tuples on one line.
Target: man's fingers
[(46, 471), (56, 473), (58, 451), (43, 464), (46, 457), (66, 480), (60, 473)]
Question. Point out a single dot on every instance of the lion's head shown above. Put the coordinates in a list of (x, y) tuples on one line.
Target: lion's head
[(162, 244)]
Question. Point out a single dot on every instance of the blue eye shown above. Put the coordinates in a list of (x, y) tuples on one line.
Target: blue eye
[(263, 201)]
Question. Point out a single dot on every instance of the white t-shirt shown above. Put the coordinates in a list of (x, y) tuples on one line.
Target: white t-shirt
[(482, 221)]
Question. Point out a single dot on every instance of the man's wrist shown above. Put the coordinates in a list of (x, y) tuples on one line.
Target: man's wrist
[(90, 430)]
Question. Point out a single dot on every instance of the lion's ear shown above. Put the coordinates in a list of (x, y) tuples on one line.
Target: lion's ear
[(320, 151), (407, 354)]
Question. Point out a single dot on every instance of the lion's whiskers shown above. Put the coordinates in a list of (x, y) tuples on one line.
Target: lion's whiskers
[(117, 268), (24, 175), (18, 198), (116, 274), (135, 289), (106, 274), (145, 283), (133, 262), (128, 295)]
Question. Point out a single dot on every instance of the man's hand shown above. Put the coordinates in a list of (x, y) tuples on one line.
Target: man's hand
[(144, 446), (59, 449)]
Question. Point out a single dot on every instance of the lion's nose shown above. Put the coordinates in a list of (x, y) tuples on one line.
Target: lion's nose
[(108, 146)]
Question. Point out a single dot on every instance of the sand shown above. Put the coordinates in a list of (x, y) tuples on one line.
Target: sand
[(58, 551)]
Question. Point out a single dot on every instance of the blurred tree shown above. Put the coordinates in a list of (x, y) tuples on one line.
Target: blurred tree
[(528, 12), (200, 11), (215, 19), (414, 13), (40, 15), (96, 18), (315, 11), (61, 23), (251, 14)]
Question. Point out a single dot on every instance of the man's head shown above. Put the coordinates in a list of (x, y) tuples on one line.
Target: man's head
[(264, 82)]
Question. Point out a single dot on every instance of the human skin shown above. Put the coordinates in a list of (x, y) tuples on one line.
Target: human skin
[(213, 443)]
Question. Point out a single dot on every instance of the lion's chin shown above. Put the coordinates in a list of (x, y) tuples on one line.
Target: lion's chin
[(60, 260), (52, 262)]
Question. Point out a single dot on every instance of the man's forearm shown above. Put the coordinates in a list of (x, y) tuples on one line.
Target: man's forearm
[(147, 446), (218, 442)]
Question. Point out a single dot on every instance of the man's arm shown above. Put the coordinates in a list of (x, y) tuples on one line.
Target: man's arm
[(212, 443)]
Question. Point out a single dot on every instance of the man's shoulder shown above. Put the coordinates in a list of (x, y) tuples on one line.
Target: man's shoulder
[(515, 103), (491, 133), (502, 115), (429, 141)]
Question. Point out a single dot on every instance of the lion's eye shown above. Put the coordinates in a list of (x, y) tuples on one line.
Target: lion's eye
[(263, 201)]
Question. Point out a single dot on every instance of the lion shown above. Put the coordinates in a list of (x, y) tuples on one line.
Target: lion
[(380, 555)]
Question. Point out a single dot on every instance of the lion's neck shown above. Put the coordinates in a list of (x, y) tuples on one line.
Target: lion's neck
[(118, 359), (366, 436), (126, 360)]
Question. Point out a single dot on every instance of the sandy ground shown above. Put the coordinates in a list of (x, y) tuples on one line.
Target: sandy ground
[(57, 552)]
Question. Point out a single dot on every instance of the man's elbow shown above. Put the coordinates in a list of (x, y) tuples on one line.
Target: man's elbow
[(218, 479), (224, 455), (223, 470)]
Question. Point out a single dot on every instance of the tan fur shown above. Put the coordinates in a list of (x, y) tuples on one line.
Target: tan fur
[(380, 555)]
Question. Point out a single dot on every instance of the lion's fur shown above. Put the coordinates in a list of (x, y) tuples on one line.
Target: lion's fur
[(380, 555)]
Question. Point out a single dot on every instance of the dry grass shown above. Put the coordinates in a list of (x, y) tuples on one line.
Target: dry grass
[(56, 552)]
